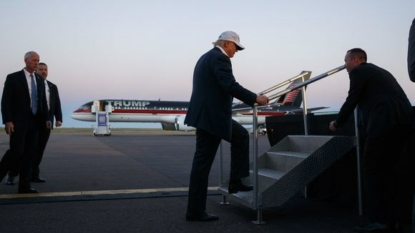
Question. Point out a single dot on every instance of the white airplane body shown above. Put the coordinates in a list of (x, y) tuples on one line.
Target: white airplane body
[(171, 114)]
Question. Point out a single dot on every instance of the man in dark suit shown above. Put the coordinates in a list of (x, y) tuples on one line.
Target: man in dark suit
[(23, 111), (386, 116), (210, 112), (55, 111)]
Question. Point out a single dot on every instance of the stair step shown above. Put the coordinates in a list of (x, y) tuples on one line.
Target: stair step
[(282, 161), (301, 143), (289, 153), (243, 198), (266, 177), (270, 173)]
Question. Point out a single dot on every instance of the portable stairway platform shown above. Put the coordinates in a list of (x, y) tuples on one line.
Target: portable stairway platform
[(102, 112), (288, 167)]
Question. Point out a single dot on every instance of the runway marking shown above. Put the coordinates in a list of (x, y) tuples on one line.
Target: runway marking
[(99, 192)]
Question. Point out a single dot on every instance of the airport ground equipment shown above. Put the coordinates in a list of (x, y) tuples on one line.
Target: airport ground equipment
[(102, 126), (288, 167), (293, 163)]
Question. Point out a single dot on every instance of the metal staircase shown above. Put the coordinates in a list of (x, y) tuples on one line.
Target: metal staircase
[(288, 167), (294, 162)]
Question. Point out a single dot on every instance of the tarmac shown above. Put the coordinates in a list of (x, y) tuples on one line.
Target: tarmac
[(137, 182)]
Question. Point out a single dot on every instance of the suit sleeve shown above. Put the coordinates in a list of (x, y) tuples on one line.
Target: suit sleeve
[(6, 100), (42, 98), (223, 72), (357, 85), (58, 109), (411, 52)]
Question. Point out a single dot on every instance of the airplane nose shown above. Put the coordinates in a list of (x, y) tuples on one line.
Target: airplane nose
[(73, 115)]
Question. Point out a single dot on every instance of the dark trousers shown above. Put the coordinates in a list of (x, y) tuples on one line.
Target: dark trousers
[(43, 138), (9, 163), (42, 141), (14, 170), (206, 147), (380, 157), (22, 151)]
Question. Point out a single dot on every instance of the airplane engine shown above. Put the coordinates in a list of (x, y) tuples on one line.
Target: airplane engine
[(180, 126)]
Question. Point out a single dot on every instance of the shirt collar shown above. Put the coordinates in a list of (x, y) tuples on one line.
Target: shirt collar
[(27, 73), (221, 49)]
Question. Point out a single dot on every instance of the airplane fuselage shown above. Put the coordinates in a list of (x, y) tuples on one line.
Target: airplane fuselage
[(165, 112)]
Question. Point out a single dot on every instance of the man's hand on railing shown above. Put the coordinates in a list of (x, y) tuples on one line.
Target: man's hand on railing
[(262, 99), (333, 126)]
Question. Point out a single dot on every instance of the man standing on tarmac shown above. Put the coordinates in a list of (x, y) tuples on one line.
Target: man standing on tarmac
[(55, 111), (23, 110), (386, 120), (210, 112)]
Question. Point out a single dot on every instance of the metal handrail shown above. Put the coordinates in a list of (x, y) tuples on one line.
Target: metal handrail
[(288, 81), (328, 73), (255, 127), (273, 88)]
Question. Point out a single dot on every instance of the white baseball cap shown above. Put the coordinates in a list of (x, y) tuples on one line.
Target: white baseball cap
[(231, 36)]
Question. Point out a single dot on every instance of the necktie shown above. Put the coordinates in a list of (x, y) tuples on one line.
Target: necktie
[(34, 95)]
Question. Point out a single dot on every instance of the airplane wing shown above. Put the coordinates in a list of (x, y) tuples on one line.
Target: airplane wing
[(300, 110), (241, 109)]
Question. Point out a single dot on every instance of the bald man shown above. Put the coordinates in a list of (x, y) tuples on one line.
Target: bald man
[(23, 111)]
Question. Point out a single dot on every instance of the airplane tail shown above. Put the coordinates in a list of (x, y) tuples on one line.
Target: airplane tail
[(293, 98)]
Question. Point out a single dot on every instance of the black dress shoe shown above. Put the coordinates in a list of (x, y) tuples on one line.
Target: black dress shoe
[(204, 217), (10, 180), (236, 186), (38, 180), (28, 190)]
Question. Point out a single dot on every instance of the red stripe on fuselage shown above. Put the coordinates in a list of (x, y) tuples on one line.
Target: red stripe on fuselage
[(138, 111), (143, 111)]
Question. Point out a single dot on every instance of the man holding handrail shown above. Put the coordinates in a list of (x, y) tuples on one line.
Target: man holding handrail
[(386, 118), (210, 112)]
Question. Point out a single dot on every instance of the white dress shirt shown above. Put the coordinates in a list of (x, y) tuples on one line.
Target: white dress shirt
[(47, 91)]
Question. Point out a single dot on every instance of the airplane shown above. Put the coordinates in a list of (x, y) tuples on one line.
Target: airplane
[(171, 114)]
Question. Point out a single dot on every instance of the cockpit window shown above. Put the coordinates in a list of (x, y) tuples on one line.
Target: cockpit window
[(85, 107)]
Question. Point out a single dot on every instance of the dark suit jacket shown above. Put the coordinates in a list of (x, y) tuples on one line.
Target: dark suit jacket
[(15, 102), (214, 87), (55, 110), (380, 98), (411, 52)]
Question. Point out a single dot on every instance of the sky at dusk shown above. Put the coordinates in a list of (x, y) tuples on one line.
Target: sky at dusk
[(128, 49)]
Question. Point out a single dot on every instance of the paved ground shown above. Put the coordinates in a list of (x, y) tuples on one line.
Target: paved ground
[(138, 183)]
